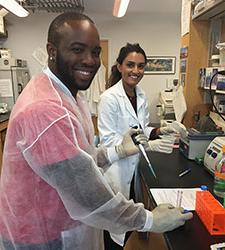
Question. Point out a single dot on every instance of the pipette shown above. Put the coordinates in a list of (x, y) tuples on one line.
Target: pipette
[(146, 158), (143, 153)]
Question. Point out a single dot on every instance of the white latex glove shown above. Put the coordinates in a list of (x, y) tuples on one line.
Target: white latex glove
[(174, 127), (167, 218), (161, 145), (128, 147)]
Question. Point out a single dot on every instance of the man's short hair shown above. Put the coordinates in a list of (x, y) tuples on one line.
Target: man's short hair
[(53, 34)]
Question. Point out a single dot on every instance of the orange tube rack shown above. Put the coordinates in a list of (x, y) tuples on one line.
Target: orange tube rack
[(211, 212)]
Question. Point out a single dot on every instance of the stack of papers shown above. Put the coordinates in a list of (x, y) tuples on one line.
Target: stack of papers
[(169, 195)]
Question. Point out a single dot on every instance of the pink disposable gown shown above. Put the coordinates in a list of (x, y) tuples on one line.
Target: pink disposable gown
[(52, 191)]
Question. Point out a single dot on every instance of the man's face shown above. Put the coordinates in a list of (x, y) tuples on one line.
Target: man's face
[(78, 54)]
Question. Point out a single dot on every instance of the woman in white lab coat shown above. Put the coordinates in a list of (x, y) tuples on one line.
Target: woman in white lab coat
[(122, 106)]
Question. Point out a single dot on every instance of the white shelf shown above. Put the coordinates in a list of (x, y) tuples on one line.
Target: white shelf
[(217, 8)]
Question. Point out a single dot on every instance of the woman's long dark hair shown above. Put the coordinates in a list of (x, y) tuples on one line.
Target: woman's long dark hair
[(124, 51)]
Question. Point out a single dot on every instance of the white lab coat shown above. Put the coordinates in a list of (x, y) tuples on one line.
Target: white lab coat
[(95, 90), (116, 115), (179, 104)]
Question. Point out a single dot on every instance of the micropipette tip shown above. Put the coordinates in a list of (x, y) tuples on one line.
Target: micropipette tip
[(152, 170)]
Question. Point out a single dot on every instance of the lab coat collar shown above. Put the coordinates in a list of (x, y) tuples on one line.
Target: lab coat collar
[(139, 91), (140, 98)]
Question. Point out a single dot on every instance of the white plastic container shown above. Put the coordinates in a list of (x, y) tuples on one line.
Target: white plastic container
[(215, 60), (222, 57), (219, 176)]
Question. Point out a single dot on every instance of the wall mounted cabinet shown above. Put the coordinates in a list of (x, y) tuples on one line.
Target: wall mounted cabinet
[(216, 8), (200, 48)]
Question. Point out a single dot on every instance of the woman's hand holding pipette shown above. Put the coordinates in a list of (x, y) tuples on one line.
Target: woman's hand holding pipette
[(131, 139)]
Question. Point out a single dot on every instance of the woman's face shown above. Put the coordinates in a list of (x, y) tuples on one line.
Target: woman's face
[(132, 69)]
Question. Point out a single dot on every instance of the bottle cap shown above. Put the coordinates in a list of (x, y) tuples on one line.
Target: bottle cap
[(204, 187)]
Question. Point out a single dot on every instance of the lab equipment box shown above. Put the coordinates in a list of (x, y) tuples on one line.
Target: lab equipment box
[(196, 143)]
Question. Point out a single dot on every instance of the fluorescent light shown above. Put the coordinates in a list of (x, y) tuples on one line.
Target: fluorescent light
[(14, 7), (120, 7)]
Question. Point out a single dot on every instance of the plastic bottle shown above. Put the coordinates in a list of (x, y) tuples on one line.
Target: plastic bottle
[(219, 176)]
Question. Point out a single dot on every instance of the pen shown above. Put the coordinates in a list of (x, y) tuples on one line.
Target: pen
[(185, 172), (185, 211)]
